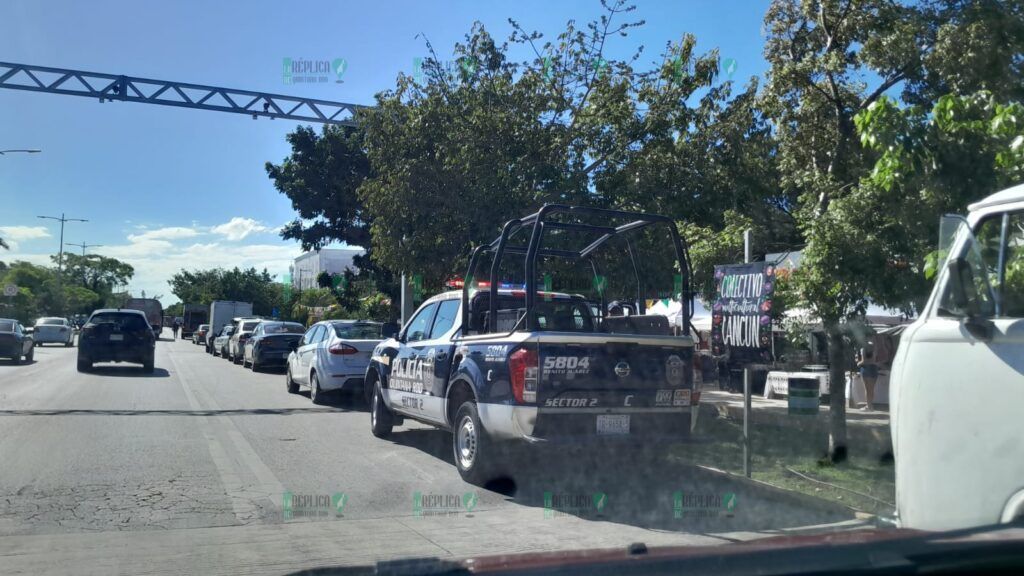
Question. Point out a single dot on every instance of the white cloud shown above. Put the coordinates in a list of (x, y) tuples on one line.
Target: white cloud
[(15, 234), (238, 228), (168, 233)]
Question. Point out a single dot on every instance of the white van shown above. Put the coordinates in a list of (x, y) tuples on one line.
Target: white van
[(957, 385)]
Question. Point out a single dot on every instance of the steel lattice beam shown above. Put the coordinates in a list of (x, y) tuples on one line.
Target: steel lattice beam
[(111, 87)]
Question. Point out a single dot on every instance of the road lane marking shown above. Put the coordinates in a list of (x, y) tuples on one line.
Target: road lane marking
[(233, 456)]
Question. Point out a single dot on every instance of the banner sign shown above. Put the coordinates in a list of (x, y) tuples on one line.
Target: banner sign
[(740, 319)]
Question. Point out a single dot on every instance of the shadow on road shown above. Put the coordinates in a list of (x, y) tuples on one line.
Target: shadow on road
[(10, 362), (646, 490), (341, 401), (129, 371)]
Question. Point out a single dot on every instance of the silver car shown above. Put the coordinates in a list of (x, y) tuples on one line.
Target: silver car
[(332, 356), (53, 331)]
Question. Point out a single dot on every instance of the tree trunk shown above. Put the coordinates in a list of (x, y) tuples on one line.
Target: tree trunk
[(837, 394)]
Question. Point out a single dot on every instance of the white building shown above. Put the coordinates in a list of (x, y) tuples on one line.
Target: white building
[(308, 266)]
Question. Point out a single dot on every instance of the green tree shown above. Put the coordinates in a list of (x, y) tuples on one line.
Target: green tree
[(250, 285), (819, 52)]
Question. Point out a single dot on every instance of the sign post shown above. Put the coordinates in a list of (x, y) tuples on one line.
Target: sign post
[(746, 381), (741, 324)]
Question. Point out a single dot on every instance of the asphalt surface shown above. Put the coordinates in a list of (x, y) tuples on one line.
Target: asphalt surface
[(188, 469)]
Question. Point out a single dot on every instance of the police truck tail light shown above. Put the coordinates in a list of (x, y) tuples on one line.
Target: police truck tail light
[(342, 349), (523, 372)]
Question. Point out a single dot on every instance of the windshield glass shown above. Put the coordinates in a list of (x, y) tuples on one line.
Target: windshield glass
[(358, 331), (523, 277)]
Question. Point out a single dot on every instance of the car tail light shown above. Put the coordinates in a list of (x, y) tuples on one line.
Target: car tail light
[(342, 349), (523, 371)]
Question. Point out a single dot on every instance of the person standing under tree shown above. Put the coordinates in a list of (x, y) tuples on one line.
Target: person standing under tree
[(868, 375)]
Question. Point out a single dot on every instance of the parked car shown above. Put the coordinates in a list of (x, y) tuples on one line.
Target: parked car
[(220, 342), (957, 381), (244, 328), (15, 342), (53, 331), (271, 344), (332, 355), (199, 336), (117, 335)]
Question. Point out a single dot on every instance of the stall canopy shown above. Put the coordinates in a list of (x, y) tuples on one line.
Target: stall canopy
[(672, 310)]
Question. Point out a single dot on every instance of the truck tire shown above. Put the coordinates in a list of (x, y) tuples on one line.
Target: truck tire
[(381, 420), (473, 449)]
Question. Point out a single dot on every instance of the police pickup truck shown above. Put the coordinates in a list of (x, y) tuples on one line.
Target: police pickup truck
[(551, 368)]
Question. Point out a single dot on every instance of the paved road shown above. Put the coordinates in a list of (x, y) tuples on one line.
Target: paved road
[(186, 470)]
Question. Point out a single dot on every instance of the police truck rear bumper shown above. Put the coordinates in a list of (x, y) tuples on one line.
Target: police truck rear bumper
[(577, 427)]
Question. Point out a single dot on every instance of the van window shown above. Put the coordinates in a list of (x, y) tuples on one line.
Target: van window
[(999, 245)]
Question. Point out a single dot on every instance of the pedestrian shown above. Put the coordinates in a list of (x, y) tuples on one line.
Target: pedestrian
[(868, 375)]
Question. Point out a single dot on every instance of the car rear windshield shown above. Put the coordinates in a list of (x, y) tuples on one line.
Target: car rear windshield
[(50, 322), (127, 322), (283, 328), (366, 331), (6, 326), (249, 326)]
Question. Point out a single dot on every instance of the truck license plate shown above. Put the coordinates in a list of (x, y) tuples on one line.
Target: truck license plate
[(115, 337), (613, 424)]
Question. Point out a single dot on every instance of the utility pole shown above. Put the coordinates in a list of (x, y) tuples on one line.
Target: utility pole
[(60, 255), (83, 246)]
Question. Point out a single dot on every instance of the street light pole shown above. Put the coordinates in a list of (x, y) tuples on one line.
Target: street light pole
[(60, 254), (83, 246)]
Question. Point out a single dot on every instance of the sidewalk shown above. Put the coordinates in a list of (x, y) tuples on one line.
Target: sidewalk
[(868, 429)]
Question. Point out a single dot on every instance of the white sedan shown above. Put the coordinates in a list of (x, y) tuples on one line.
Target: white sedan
[(53, 331), (331, 356)]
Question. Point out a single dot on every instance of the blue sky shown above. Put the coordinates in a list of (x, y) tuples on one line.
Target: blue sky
[(166, 188)]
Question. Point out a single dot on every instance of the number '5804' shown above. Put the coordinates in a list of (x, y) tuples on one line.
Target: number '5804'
[(566, 363)]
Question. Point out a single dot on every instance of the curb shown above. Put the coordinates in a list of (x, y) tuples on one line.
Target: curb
[(792, 496)]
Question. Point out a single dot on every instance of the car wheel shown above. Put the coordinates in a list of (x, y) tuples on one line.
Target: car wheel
[(147, 364), (290, 383), (253, 365), (69, 343), (84, 365), (474, 451), (31, 354), (381, 419), (317, 395), (244, 363)]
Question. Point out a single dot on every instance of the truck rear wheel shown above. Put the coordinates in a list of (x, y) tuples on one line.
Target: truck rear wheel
[(473, 448), (381, 420)]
